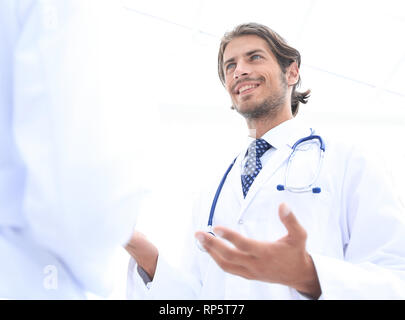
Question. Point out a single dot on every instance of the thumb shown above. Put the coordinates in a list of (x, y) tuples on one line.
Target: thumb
[(295, 231)]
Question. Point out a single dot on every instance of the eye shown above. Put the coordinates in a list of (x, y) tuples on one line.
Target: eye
[(230, 66), (256, 57)]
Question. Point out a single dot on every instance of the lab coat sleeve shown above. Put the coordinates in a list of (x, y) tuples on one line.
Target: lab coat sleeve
[(374, 252), (137, 289), (169, 283), (182, 281), (76, 136)]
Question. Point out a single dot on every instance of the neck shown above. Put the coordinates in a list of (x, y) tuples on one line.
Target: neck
[(258, 127)]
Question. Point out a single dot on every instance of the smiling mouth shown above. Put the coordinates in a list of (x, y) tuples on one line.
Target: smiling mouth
[(247, 89)]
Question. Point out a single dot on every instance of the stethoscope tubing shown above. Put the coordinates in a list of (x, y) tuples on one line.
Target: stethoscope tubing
[(221, 184), (214, 202)]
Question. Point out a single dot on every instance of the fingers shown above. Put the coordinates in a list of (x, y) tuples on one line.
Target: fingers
[(231, 267), (215, 246), (240, 242), (295, 231), (231, 260)]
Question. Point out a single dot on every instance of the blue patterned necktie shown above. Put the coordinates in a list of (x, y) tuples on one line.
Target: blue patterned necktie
[(253, 164)]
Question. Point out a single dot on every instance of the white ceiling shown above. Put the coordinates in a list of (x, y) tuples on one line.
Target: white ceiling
[(349, 48)]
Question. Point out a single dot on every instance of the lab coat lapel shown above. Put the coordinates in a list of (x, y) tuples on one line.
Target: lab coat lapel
[(265, 174), (284, 138), (235, 179)]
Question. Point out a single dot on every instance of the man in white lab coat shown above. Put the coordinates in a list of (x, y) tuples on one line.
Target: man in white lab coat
[(344, 242), (68, 189)]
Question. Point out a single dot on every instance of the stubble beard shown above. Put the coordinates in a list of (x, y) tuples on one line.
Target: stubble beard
[(269, 107)]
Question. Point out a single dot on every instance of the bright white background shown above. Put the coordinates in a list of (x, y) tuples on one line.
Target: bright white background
[(353, 60)]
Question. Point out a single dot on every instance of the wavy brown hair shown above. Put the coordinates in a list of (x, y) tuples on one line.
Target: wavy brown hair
[(284, 54)]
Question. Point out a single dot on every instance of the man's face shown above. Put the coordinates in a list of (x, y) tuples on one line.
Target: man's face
[(253, 77)]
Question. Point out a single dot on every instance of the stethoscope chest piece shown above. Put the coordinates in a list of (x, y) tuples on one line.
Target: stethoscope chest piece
[(199, 245)]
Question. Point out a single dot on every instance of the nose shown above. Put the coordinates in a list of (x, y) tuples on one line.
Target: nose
[(241, 70), (238, 75)]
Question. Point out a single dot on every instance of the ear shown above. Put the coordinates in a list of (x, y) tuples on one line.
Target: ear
[(293, 74)]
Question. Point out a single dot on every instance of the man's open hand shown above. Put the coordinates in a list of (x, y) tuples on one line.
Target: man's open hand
[(284, 261)]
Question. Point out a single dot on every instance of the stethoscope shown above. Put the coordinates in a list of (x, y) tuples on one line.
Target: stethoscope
[(281, 187)]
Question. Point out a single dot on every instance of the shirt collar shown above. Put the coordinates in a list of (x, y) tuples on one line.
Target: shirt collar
[(285, 134)]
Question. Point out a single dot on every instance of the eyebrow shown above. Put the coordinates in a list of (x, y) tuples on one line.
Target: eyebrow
[(247, 54)]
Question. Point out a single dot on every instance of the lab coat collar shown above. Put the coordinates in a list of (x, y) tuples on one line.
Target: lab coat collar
[(285, 134), (282, 138)]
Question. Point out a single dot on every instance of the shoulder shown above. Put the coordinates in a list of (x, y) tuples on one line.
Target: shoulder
[(352, 149), (355, 158)]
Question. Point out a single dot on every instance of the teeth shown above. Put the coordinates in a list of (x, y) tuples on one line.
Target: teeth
[(247, 87)]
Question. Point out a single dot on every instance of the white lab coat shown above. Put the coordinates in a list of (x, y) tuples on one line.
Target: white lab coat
[(355, 227), (69, 181)]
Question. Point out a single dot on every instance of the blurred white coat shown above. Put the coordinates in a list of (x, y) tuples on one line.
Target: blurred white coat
[(70, 183)]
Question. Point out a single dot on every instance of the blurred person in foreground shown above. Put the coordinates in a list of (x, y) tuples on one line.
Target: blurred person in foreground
[(69, 185)]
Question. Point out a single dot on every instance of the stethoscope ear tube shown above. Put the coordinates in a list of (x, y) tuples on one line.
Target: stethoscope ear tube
[(315, 190), (280, 187), (311, 137)]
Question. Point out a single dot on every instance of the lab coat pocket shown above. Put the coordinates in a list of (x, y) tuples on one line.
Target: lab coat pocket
[(314, 212)]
